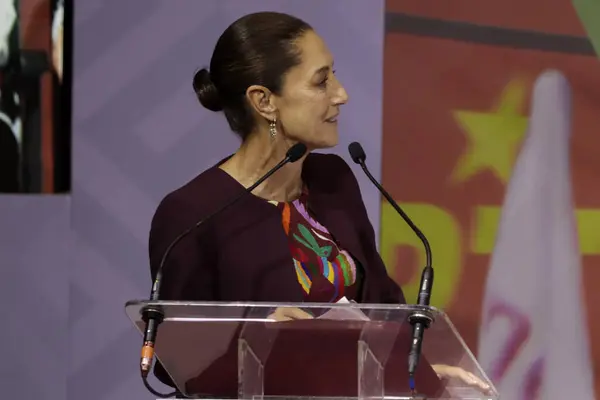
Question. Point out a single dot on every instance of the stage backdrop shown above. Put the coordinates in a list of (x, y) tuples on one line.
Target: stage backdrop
[(458, 83), (139, 133), (71, 262)]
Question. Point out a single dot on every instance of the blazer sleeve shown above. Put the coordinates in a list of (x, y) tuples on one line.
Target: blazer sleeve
[(188, 273), (390, 291)]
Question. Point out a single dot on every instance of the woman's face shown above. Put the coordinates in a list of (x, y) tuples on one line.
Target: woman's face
[(309, 105)]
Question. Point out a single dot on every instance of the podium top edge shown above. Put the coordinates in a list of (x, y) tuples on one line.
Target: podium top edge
[(246, 304)]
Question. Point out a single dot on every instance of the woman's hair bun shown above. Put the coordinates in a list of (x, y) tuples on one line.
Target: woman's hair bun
[(206, 91)]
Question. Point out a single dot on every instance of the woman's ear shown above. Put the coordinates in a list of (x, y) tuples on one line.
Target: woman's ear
[(261, 99)]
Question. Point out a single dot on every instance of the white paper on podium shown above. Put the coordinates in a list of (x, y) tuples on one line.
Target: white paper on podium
[(348, 313)]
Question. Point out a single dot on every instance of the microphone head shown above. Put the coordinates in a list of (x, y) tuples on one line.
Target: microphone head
[(296, 152), (357, 153)]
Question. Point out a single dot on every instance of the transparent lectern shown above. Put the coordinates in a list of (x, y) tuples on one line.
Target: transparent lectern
[(346, 351)]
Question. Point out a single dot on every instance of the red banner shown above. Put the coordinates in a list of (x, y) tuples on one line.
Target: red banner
[(455, 114)]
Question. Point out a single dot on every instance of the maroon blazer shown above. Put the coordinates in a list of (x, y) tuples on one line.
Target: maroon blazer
[(242, 254)]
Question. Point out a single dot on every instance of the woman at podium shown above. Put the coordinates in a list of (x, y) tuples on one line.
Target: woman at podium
[(304, 234)]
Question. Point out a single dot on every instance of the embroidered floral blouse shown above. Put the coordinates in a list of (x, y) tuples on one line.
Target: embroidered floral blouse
[(325, 272)]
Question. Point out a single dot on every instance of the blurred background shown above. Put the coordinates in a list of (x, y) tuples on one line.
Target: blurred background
[(441, 99), (35, 135)]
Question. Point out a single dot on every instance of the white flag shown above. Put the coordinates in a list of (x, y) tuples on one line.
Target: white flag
[(533, 338)]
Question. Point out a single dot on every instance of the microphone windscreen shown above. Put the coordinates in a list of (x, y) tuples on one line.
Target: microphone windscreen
[(357, 153), (296, 152)]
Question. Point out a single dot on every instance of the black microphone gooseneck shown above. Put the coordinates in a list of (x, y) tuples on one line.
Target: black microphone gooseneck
[(153, 315), (419, 320)]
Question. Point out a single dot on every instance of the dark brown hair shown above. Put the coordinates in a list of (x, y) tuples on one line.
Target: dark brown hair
[(257, 49)]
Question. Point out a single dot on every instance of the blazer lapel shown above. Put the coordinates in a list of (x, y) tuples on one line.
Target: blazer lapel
[(328, 206)]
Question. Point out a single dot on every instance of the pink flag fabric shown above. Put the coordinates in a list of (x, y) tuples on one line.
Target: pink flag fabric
[(533, 336)]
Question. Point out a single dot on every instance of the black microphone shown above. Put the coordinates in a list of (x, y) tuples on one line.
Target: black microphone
[(153, 315), (419, 320)]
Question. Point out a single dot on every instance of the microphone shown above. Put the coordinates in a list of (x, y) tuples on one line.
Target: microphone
[(153, 315), (419, 320)]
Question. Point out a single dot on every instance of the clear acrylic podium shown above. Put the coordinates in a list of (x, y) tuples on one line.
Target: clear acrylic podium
[(347, 351)]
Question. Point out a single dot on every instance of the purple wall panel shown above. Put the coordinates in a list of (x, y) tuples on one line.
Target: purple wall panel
[(139, 133), (34, 248)]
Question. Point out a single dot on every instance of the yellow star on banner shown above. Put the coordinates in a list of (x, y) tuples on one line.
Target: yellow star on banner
[(493, 137)]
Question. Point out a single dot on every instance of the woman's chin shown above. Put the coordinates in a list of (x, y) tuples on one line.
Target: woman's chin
[(325, 142)]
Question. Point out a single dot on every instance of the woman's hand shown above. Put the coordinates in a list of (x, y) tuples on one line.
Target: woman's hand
[(289, 314), (446, 371)]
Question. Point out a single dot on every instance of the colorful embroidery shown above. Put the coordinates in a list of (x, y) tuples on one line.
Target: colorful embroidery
[(314, 251)]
